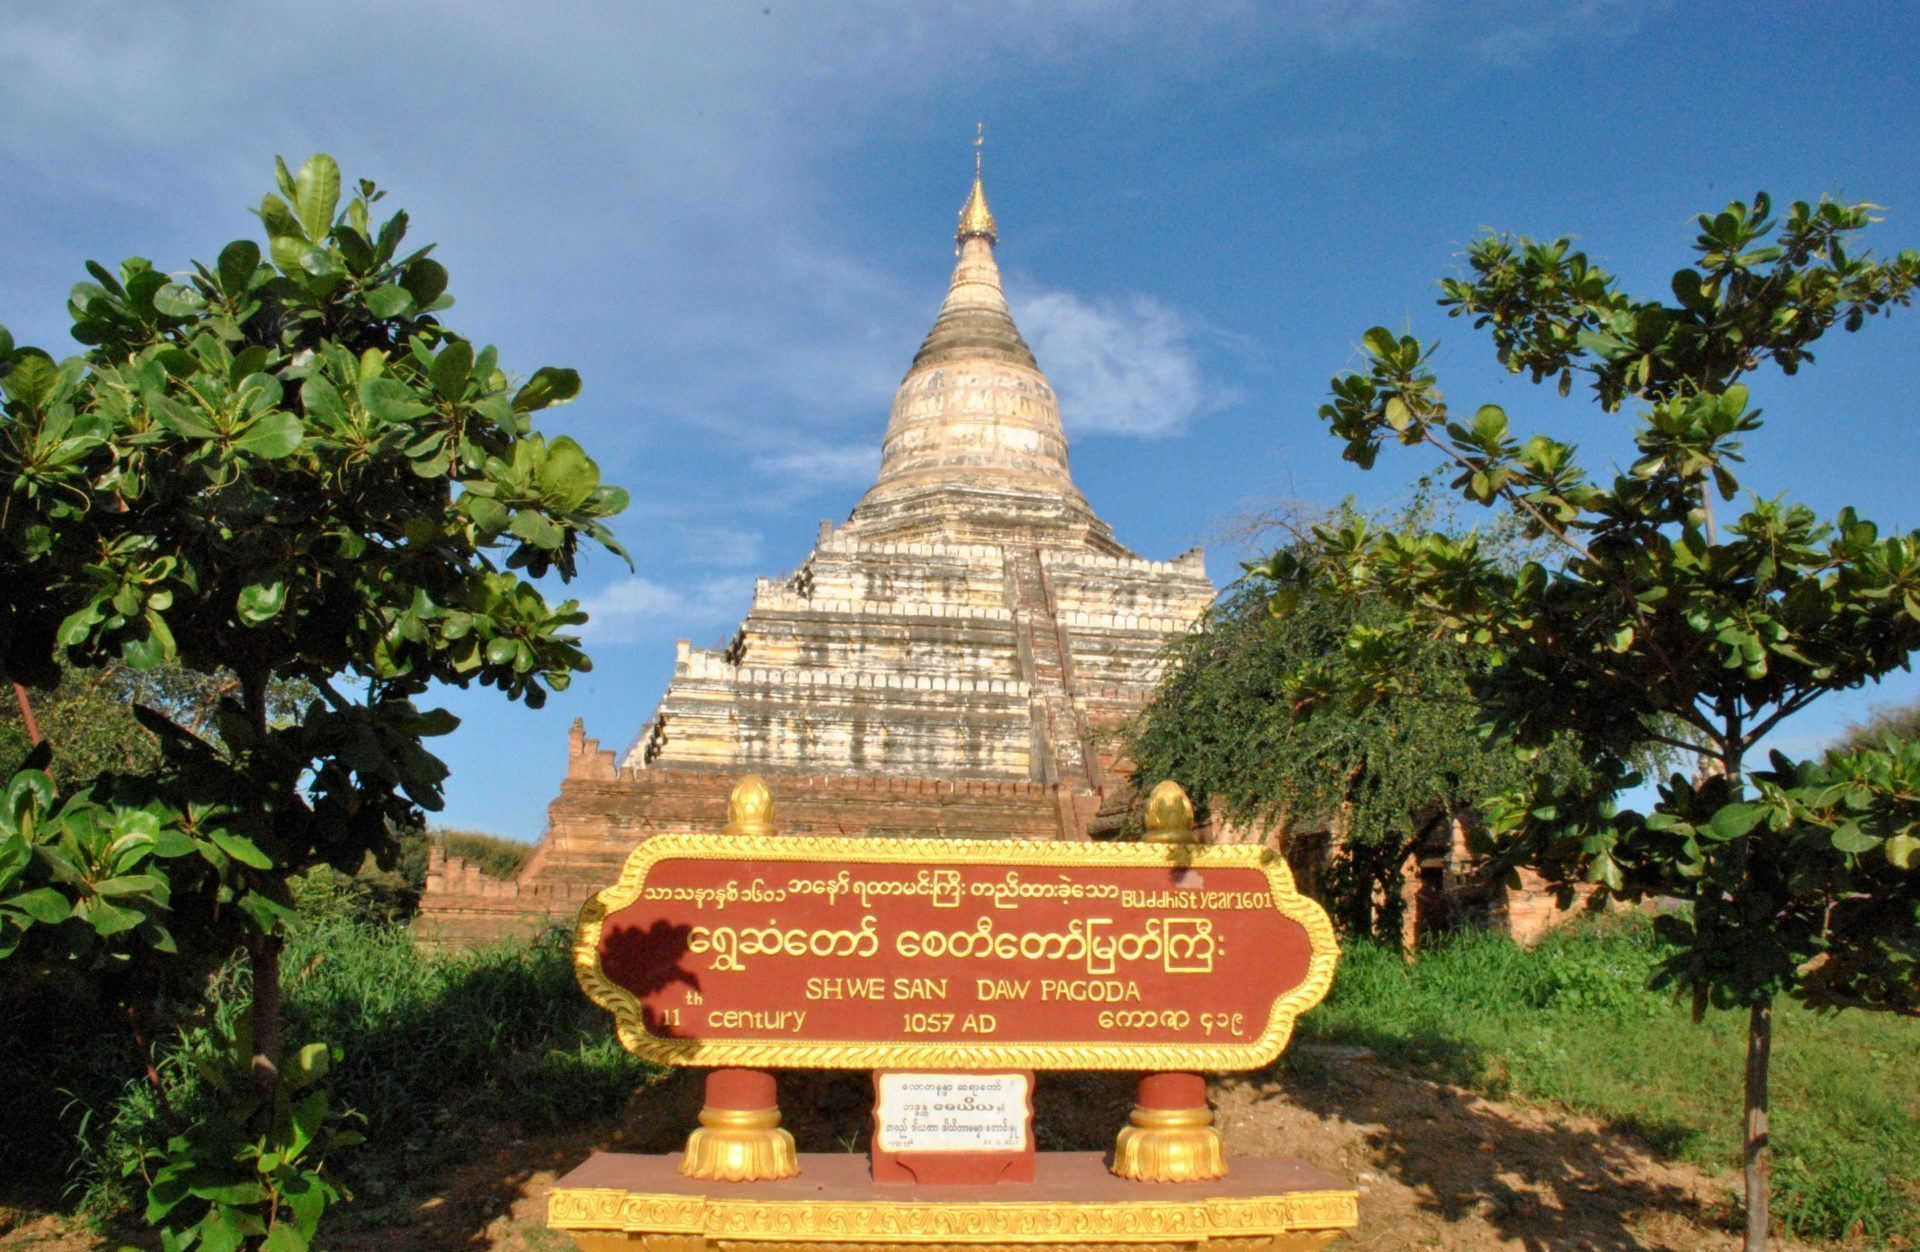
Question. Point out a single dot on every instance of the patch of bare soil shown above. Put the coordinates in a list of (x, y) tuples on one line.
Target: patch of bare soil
[(1437, 1167)]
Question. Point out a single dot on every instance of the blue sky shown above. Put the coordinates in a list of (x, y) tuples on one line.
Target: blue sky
[(735, 220)]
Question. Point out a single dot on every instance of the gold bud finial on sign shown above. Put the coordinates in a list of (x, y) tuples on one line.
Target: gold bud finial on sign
[(750, 807), (1169, 814)]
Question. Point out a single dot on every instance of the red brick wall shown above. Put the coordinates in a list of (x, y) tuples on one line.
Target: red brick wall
[(596, 822)]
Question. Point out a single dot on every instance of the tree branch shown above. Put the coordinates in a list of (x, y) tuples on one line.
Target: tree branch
[(1550, 527), (1788, 707), (1681, 744)]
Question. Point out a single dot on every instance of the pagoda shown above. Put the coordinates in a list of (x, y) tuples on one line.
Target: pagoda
[(949, 661)]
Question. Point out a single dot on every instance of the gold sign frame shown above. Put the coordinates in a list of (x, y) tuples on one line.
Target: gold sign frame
[(882, 1054)]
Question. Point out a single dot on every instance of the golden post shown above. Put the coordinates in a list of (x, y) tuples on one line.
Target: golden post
[(740, 1138), (1170, 1135)]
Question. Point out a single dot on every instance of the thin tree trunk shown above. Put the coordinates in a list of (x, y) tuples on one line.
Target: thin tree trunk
[(26, 714), (1759, 1163), (263, 950), (263, 953), (146, 1059)]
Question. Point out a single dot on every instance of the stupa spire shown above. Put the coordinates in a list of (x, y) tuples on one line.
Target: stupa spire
[(976, 219), (974, 419)]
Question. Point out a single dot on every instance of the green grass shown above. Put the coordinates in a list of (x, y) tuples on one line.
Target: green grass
[(503, 1032), (435, 1046), (431, 1047), (1570, 1022)]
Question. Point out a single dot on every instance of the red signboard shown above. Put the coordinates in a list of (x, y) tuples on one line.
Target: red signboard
[(860, 953)]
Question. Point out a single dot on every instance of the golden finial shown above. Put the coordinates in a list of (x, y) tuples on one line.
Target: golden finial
[(1169, 814), (976, 221), (750, 807)]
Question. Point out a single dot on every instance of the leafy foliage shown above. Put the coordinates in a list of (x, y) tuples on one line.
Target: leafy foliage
[(239, 1183), (1252, 717), (1656, 621), (284, 468), (432, 1052)]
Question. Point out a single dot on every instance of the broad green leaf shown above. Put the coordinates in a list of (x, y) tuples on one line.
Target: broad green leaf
[(391, 300), (534, 527), (308, 1116), (179, 300), (391, 400), (78, 625), (548, 386), (316, 192), (1900, 850), (568, 476), (32, 382), (106, 919), (450, 369), (214, 1184), (425, 279), (1379, 341), (1851, 839), (322, 401), (143, 654), (1734, 820), (284, 1238), (271, 436), (313, 1062), (308, 1196), (43, 904), (262, 602), (287, 250), (488, 514), (280, 222), (177, 417), (160, 634), (238, 261), (1490, 423), (130, 885), (15, 853), (239, 847)]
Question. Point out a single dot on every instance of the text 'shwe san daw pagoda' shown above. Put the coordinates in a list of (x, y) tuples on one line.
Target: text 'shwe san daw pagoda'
[(947, 662)]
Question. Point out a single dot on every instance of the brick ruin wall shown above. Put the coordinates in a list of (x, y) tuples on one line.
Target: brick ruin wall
[(599, 818)]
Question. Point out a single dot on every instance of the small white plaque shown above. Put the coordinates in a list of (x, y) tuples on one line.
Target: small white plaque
[(952, 1112)]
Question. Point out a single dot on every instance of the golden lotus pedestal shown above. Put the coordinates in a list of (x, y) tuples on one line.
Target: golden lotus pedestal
[(623, 1201)]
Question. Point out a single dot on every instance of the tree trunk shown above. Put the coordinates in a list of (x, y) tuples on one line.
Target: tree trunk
[(263, 953), (1758, 1159), (263, 950)]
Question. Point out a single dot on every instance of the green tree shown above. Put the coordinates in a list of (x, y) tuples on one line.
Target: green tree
[(280, 467), (87, 716), (1252, 717), (1898, 722), (1656, 620)]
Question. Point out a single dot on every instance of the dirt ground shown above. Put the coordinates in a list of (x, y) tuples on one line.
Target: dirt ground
[(1436, 1167)]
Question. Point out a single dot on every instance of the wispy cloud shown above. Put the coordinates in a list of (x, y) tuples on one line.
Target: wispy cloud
[(622, 612), (829, 465), (1122, 367)]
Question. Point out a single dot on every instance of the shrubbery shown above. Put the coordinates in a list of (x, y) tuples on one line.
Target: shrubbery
[(423, 1043)]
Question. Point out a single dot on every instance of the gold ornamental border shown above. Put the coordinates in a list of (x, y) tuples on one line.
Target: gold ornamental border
[(914, 1222), (857, 1054)]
